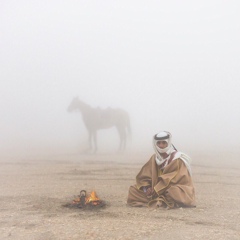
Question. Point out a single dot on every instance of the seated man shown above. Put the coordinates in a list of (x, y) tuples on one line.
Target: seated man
[(165, 180)]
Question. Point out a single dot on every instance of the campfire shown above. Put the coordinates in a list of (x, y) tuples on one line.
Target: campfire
[(85, 201)]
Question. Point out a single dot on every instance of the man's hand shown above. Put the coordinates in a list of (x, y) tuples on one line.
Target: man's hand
[(149, 191)]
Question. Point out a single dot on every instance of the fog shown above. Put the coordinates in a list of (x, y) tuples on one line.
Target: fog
[(173, 65)]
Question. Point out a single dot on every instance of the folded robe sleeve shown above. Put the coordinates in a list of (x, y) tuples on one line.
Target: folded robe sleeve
[(147, 175)]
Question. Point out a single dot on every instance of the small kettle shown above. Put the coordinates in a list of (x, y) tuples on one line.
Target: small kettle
[(82, 197)]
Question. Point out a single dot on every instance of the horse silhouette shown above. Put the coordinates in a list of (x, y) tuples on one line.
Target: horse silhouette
[(97, 118)]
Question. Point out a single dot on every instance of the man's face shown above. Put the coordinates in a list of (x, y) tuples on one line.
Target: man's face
[(162, 144)]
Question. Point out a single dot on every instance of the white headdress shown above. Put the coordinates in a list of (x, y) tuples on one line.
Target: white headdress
[(167, 137), (163, 136)]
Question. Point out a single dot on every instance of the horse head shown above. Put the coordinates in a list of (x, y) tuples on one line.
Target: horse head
[(74, 105), (77, 104)]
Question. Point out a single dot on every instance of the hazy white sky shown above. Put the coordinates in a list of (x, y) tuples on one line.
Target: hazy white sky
[(174, 65)]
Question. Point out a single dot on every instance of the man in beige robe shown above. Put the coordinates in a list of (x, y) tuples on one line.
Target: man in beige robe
[(165, 180)]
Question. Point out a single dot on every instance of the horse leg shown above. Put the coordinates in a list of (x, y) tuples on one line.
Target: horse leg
[(95, 141), (122, 136), (89, 140)]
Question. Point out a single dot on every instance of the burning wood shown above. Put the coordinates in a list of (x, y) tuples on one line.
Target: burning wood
[(82, 201), (92, 199)]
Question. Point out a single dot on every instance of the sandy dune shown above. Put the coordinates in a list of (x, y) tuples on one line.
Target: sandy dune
[(34, 190)]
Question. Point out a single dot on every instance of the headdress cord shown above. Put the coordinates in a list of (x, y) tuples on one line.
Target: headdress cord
[(174, 147)]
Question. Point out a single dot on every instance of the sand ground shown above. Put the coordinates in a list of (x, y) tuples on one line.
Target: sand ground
[(34, 190)]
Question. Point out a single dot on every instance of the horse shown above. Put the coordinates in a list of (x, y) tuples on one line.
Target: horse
[(97, 118)]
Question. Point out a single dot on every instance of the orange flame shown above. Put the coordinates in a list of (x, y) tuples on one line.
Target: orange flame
[(92, 198)]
